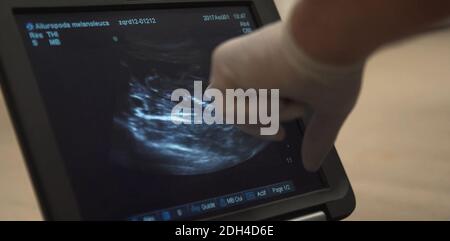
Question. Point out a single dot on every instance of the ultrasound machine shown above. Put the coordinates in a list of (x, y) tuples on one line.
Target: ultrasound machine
[(88, 84)]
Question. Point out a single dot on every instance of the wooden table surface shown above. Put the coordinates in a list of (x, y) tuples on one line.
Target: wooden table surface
[(395, 146)]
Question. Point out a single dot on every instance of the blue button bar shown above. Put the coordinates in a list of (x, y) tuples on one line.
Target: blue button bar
[(207, 206)]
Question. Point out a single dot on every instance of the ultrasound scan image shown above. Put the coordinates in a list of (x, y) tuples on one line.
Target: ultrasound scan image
[(154, 71), (107, 87)]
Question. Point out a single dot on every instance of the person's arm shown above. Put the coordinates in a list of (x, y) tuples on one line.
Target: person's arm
[(345, 31), (316, 60)]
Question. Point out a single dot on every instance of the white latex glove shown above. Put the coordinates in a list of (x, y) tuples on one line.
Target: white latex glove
[(270, 59)]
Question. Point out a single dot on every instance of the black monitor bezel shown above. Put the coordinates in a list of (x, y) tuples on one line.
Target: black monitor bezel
[(40, 149)]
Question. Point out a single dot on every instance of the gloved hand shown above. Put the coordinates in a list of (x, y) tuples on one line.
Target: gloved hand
[(271, 59)]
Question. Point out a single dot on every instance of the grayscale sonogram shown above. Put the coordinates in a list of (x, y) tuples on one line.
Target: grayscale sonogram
[(146, 139)]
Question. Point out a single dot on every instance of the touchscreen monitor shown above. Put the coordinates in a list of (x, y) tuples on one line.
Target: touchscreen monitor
[(106, 78)]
